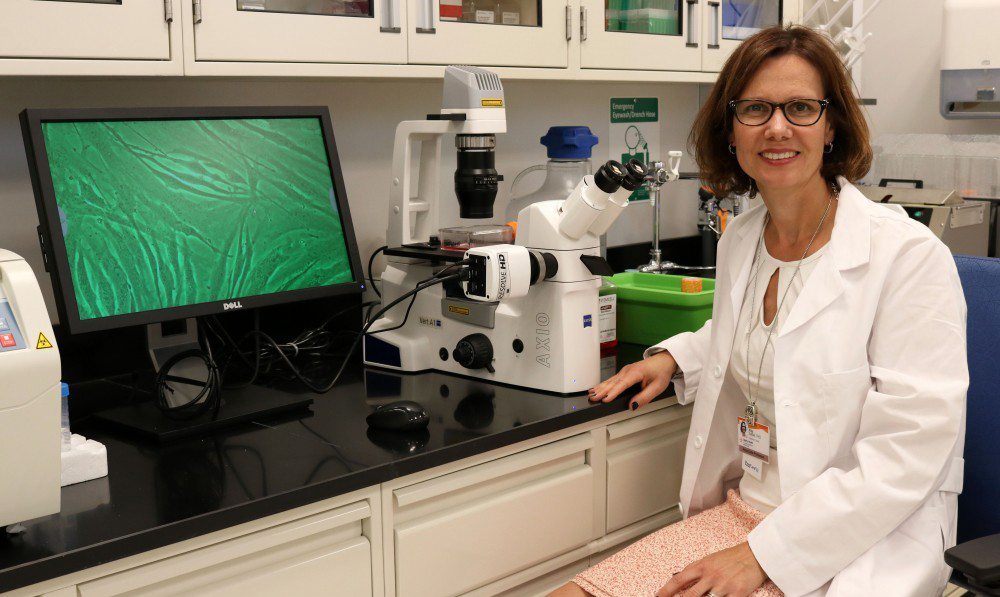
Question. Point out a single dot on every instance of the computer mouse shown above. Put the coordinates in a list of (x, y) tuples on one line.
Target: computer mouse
[(404, 415)]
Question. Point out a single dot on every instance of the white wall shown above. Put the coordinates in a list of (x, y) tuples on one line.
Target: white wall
[(901, 70), (365, 115)]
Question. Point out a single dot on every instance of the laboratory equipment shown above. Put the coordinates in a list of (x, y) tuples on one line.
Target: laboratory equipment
[(850, 39), (178, 213), (568, 149), (961, 224), (659, 175), (970, 58), (523, 314), (29, 397), (463, 238)]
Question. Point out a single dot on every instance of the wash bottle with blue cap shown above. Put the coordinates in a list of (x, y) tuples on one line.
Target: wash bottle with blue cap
[(569, 150)]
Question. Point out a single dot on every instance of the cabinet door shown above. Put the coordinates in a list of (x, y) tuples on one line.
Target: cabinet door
[(645, 462), (81, 29), (729, 22), (322, 31), (489, 32), (641, 34)]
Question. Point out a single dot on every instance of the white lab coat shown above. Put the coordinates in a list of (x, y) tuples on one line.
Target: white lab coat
[(870, 378)]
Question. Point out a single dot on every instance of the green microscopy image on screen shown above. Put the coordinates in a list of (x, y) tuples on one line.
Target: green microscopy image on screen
[(167, 213)]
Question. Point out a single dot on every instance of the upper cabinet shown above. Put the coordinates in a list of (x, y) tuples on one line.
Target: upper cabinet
[(34, 34), (319, 31), (489, 32), (635, 40), (672, 35)]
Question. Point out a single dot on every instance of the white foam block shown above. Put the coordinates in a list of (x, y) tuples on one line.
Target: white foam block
[(85, 460)]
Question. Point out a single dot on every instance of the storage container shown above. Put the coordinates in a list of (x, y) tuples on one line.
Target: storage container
[(652, 307)]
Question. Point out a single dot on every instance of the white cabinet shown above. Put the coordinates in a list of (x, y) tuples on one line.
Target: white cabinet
[(322, 554), (644, 465), (300, 31), (640, 34), (460, 531), (672, 35), (82, 29), (489, 32)]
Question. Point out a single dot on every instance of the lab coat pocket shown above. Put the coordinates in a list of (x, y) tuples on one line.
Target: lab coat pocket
[(844, 394)]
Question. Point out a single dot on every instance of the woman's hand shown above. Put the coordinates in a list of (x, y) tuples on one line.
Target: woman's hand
[(732, 572), (652, 373)]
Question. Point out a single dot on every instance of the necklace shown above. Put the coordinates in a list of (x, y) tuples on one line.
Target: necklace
[(751, 409)]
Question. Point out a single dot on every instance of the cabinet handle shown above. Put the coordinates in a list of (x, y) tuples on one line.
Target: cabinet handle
[(168, 11), (389, 20), (583, 23), (716, 25), (428, 14), (196, 11), (692, 24), (569, 22)]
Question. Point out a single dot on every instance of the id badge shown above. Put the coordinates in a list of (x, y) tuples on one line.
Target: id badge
[(754, 440)]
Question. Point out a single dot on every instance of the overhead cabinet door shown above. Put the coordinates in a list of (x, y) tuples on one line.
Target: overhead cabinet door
[(323, 31), (729, 22), (641, 34), (489, 32), (85, 29)]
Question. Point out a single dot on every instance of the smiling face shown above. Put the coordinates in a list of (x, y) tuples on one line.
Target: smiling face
[(779, 155)]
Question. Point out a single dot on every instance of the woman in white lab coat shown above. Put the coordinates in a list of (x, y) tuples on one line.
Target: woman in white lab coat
[(838, 324)]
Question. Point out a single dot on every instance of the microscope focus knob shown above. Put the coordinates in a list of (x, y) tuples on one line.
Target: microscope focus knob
[(474, 351)]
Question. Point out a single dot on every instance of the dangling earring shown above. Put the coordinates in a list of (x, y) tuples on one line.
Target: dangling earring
[(732, 149), (828, 148)]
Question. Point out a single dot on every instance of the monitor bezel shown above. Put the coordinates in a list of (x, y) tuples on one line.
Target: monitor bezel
[(54, 244)]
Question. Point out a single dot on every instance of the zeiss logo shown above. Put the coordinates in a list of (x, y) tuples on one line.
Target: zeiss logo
[(588, 321), (232, 305)]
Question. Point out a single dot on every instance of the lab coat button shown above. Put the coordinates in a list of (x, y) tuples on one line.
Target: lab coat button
[(717, 371), (698, 441)]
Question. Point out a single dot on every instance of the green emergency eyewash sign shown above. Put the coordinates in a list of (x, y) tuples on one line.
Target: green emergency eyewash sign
[(634, 129)]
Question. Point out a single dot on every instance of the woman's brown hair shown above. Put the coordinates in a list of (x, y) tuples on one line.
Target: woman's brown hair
[(851, 156)]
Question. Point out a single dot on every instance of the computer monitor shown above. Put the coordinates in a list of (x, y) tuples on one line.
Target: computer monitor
[(149, 215)]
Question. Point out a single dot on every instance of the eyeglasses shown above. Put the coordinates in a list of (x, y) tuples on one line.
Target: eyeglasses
[(800, 112)]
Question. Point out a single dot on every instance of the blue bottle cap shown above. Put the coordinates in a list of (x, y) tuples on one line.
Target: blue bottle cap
[(65, 390), (569, 142)]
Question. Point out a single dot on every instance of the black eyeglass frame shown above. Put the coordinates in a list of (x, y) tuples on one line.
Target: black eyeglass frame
[(775, 106)]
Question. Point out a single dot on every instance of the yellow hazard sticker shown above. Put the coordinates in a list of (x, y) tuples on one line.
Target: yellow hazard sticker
[(492, 103), (458, 310), (43, 342)]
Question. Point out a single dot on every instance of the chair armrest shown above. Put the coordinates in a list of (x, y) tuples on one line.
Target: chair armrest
[(978, 560)]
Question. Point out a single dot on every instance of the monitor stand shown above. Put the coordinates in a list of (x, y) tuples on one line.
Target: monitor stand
[(237, 405)]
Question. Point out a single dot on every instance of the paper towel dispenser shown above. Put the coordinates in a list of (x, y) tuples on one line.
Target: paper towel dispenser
[(970, 59)]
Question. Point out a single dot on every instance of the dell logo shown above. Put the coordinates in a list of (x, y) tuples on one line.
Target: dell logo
[(232, 305)]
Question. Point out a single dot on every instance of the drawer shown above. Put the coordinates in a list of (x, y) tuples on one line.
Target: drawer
[(466, 529), (645, 461), (322, 554)]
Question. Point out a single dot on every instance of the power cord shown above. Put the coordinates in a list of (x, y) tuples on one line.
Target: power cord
[(371, 262), (208, 398)]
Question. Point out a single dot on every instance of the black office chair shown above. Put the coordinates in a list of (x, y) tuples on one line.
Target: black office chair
[(976, 558)]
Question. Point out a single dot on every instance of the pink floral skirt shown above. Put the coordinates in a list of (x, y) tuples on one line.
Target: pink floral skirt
[(643, 568)]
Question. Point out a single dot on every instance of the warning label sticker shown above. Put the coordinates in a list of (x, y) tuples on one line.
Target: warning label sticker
[(43, 342)]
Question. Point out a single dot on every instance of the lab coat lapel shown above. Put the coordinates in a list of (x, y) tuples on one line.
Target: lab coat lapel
[(746, 245), (849, 247)]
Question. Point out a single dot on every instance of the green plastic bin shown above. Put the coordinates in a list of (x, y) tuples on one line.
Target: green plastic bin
[(652, 308)]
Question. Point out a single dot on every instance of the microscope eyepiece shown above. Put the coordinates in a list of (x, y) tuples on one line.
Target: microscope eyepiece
[(635, 174), (610, 176)]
